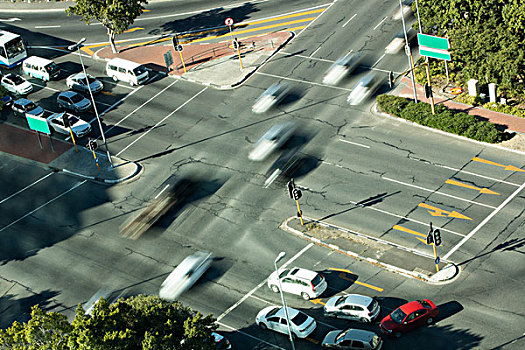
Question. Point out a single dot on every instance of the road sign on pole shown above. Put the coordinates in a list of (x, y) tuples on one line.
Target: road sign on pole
[(38, 124), (228, 21), (433, 46)]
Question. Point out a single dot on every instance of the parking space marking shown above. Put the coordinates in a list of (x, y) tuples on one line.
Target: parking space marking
[(481, 224), (384, 19), (248, 335), (25, 188), (354, 143), (351, 18), (355, 281)]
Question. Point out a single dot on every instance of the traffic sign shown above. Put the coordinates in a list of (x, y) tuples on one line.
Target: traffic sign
[(38, 124), (433, 46), (168, 59), (228, 21)]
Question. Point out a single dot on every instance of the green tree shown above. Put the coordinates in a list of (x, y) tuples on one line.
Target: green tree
[(141, 322), (115, 15)]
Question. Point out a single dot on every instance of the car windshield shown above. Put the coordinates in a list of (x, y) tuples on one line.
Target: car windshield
[(425, 304), (398, 316), (299, 319), (374, 342), (30, 106), (16, 79), (340, 300), (90, 79), (76, 98), (139, 70), (317, 279), (73, 120), (272, 312), (341, 335), (283, 273), (372, 304), (52, 67)]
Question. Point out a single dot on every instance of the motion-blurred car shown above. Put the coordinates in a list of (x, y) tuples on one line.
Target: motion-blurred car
[(271, 97), (352, 339), (80, 127), (272, 140), (16, 84), (73, 101), (77, 82), (284, 167), (398, 42), (221, 342), (353, 307), (274, 318), (405, 11), (23, 106), (409, 316), (308, 284), (365, 88), (185, 275), (342, 67)]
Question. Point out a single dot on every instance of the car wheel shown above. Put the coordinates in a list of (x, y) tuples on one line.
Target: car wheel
[(430, 320), (275, 289), (364, 320), (398, 334), (263, 326), (305, 296)]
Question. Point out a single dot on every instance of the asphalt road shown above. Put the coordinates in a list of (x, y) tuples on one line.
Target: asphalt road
[(60, 241)]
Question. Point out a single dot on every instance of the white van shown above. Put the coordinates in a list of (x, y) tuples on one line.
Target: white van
[(41, 68), (128, 71)]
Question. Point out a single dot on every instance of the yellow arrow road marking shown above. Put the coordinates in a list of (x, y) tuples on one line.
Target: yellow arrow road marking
[(107, 93), (354, 280), (312, 340), (440, 212), (130, 30), (461, 184), (507, 167), (404, 229), (317, 301)]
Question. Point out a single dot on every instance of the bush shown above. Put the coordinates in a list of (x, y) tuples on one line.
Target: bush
[(458, 123)]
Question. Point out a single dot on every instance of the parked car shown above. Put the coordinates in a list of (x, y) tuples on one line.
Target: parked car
[(80, 127), (355, 339), (272, 140), (398, 42), (185, 275), (16, 84), (353, 307), (6, 100), (409, 316), (73, 101), (308, 284), (271, 97), (274, 318), (342, 67), (365, 88), (77, 82), (221, 342), (23, 106)]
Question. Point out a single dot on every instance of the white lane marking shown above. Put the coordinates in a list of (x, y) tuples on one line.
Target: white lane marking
[(315, 19), (344, 25), (478, 175), (481, 224), (142, 105), (161, 121), (380, 23), (248, 335), (302, 81), (376, 62), (249, 294), (348, 53), (313, 53), (261, 299), (437, 192), (164, 189), (44, 27), (25, 188), (43, 205), (117, 103), (354, 143)]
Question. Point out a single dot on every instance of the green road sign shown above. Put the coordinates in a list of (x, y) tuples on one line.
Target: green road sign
[(38, 124), (433, 46)]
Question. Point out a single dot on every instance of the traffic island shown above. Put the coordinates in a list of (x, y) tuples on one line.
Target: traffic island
[(395, 258)]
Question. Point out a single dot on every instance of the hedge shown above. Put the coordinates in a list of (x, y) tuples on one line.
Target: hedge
[(445, 119)]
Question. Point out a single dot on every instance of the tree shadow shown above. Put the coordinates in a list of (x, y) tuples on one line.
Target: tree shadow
[(510, 245), (19, 310)]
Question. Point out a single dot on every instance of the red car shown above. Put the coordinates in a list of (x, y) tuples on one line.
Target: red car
[(409, 316)]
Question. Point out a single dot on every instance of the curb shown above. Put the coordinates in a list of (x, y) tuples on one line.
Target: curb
[(448, 274), (374, 110)]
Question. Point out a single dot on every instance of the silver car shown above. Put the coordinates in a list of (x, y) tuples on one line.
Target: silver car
[(342, 67), (352, 339), (365, 88), (73, 101), (272, 140), (271, 97), (353, 307), (185, 275), (77, 82)]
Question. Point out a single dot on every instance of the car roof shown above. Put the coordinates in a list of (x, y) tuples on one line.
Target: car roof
[(303, 273), (360, 334), (67, 93), (23, 101), (358, 299), (411, 307), (291, 312), (80, 75)]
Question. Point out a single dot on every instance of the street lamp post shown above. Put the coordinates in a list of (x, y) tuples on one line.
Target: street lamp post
[(77, 46), (408, 53), (279, 257)]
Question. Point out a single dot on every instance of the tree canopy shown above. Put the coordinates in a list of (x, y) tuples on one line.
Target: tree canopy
[(485, 36), (115, 15), (141, 322)]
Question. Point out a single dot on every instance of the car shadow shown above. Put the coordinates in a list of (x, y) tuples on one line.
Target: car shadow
[(448, 309)]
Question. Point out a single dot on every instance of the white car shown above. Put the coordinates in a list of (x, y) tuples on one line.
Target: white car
[(16, 84), (405, 11), (274, 318), (398, 42), (271, 97), (364, 88), (80, 127), (77, 82), (353, 307), (342, 67), (272, 140), (308, 284), (185, 275), (352, 339)]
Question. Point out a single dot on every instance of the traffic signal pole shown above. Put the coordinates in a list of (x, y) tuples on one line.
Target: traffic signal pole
[(430, 87), (299, 213)]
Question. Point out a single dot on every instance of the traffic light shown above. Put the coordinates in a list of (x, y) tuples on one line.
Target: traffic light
[(437, 237), (65, 118), (175, 41), (235, 44), (428, 90), (290, 185), (391, 79), (297, 194), (430, 238), (92, 145)]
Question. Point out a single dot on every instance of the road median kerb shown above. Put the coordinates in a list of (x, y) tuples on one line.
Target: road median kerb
[(446, 275)]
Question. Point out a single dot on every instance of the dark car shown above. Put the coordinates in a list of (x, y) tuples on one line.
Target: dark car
[(23, 106), (409, 316), (73, 101)]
